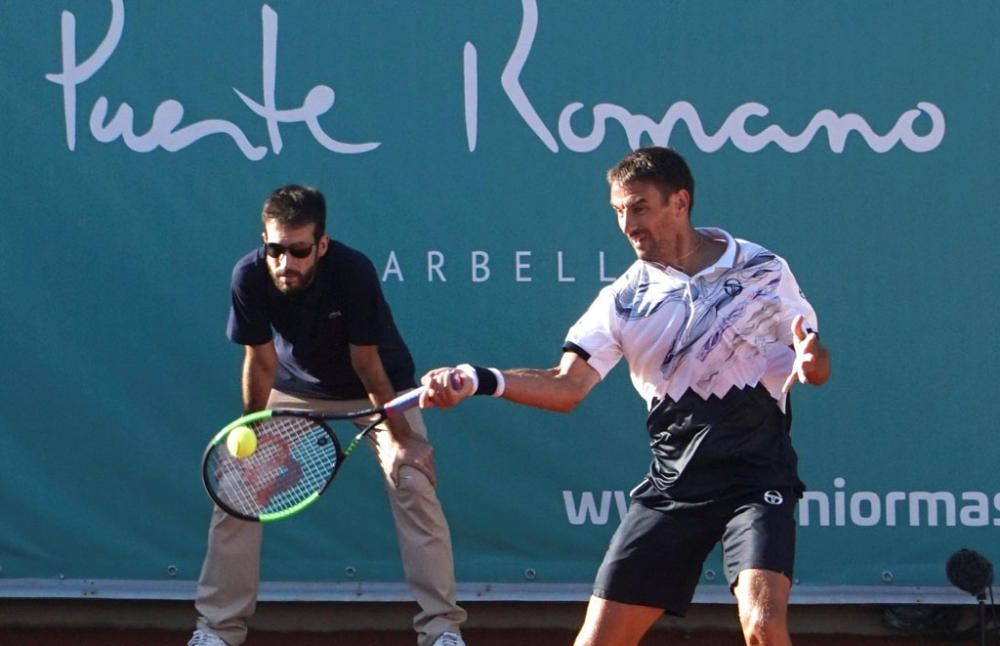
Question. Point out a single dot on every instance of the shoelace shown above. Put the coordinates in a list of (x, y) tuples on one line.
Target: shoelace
[(448, 639), (204, 639)]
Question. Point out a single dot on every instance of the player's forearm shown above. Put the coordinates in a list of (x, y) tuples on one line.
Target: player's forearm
[(557, 389), (549, 389)]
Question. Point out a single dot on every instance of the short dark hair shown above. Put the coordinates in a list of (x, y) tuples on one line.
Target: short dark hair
[(295, 206), (658, 165)]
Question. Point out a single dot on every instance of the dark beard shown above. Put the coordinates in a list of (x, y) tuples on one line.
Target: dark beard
[(305, 279)]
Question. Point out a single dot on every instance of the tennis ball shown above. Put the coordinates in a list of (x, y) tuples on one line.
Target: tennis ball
[(241, 442)]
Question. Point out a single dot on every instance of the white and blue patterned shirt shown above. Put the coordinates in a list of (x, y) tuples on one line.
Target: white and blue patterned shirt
[(709, 354)]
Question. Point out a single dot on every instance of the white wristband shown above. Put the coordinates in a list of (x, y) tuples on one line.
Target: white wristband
[(485, 381), (501, 383), (469, 373)]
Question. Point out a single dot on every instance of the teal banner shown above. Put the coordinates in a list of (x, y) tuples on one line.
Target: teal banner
[(463, 146)]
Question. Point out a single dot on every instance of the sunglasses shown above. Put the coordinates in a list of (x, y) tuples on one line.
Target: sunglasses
[(275, 250)]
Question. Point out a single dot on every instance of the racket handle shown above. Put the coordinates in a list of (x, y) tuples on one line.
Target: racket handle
[(404, 402)]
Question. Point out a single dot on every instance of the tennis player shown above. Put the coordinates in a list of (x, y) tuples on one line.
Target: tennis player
[(318, 335), (715, 332)]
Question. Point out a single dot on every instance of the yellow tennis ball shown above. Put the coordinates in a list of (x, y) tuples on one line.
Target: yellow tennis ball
[(241, 442)]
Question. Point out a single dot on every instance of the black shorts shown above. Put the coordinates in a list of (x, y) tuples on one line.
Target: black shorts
[(655, 557)]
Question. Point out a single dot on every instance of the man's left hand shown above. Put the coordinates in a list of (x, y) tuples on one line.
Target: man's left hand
[(812, 360)]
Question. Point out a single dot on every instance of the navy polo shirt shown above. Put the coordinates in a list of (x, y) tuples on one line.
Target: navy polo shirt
[(311, 330)]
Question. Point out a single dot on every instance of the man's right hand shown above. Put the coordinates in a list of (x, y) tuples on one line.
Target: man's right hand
[(445, 387)]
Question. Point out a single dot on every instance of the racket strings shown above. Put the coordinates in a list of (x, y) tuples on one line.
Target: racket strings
[(294, 460)]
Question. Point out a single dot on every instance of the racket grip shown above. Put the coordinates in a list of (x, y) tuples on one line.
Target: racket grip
[(404, 402)]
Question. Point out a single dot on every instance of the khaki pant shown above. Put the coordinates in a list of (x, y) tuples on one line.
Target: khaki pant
[(230, 575)]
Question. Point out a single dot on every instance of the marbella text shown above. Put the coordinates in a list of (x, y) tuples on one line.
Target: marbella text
[(746, 126), (479, 266), (839, 508)]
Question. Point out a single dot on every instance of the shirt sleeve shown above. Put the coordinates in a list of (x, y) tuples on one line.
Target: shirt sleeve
[(248, 322), (365, 304), (595, 336), (793, 303)]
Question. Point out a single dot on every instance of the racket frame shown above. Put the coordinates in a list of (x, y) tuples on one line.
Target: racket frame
[(218, 443), (378, 414)]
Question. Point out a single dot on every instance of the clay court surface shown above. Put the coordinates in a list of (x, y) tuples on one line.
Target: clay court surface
[(474, 637), (95, 622)]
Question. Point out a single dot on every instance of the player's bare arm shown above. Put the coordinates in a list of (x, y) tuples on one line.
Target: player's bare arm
[(558, 389), (260, 365), (812, 358)]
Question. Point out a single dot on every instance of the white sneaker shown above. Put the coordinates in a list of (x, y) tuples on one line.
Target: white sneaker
[(202, 638), (449, 639)]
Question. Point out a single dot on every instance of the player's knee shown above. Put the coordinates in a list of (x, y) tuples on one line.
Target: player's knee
[(763, 626), (412, 483)]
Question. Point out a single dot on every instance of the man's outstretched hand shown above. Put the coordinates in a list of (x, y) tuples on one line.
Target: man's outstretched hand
[(812, 359), (445, 387)]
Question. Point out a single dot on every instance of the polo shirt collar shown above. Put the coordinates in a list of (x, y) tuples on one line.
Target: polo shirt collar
[(728, 257), (725, 261)]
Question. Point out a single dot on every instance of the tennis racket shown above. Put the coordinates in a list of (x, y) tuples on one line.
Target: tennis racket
[(296, 458)]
